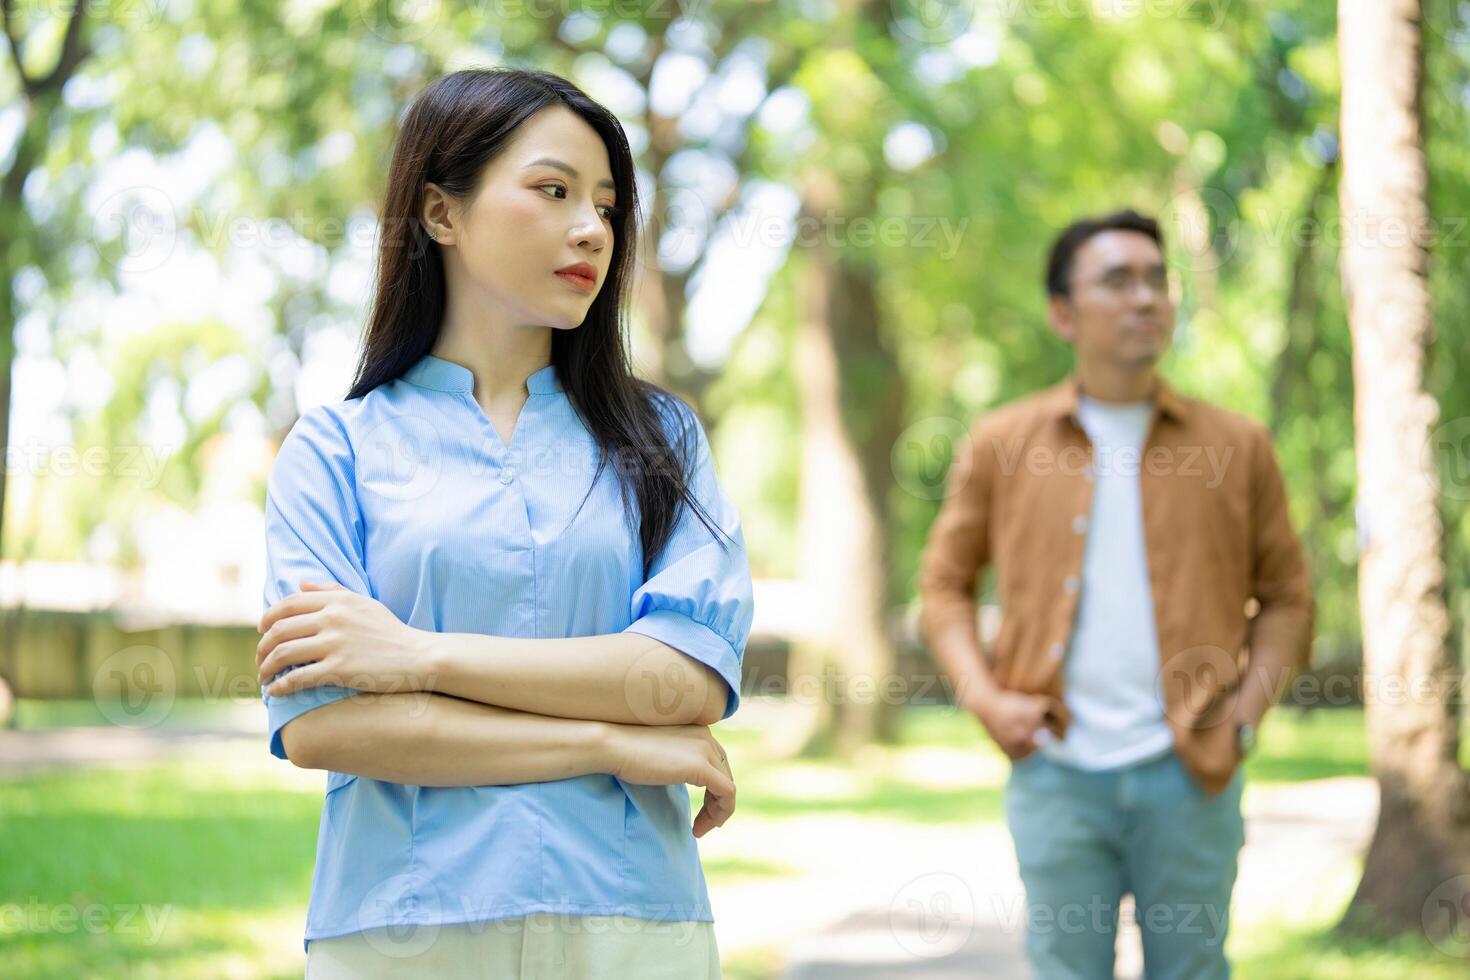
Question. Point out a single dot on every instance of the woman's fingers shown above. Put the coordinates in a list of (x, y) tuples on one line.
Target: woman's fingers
[(287, 654), (291, 628), (719, 798), (704, 821), (719, 781), (296, 680), (715, 811)]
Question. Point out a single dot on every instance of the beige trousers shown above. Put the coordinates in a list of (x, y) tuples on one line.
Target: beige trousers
[(539, 946)]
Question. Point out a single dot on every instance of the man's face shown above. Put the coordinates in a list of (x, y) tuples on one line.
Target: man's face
[(1120, 312)]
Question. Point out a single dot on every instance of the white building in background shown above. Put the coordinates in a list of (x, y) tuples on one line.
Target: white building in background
[(204, 567)]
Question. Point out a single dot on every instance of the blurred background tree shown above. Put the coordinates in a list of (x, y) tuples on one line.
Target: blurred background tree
[(848, 207)]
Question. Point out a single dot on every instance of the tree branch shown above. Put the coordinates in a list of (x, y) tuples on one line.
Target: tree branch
[(73, 52), (17, 48)]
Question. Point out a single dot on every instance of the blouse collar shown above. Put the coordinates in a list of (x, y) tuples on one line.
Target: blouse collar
[(441, 375)]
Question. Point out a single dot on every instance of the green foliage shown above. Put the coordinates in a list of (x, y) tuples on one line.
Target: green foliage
[(1223, 128)]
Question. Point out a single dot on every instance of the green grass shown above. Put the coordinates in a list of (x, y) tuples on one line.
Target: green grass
[(752, 964), (219, 849), (890, 799), (1297, 745), (178, 869), (183, 713), (1317, 952), (1307, 946), (744, 869)]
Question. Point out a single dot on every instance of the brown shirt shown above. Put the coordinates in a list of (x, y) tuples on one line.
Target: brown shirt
[(1226, 569)]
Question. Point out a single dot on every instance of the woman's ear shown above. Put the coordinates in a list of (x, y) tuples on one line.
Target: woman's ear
[(436, 214)]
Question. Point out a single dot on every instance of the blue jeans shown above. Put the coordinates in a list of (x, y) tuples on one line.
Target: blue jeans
[(1084, 839)]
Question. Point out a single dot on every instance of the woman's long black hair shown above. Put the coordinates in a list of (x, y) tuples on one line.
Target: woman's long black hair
[(455, 126)]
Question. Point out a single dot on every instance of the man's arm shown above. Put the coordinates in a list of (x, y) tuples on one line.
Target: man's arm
[(628, 678), (1280, 636), (957, 550)]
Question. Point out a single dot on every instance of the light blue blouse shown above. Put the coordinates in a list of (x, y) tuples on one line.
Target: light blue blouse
[(408, 494)]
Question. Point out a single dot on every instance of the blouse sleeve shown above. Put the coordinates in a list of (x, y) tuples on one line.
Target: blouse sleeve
[(313, 531), (698, 597)]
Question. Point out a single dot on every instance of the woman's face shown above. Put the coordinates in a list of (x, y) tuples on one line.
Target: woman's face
[(543, 205)]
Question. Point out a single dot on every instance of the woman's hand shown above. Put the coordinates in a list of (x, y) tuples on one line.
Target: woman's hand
[(661, 755), (342, 638)]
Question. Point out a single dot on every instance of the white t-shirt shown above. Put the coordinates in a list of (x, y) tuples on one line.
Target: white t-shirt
[(1111, 680)]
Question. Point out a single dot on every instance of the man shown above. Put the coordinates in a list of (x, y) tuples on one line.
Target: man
[(1134, 532)]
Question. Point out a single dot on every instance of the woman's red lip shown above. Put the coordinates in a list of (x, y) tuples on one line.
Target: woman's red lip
[(585, 283)]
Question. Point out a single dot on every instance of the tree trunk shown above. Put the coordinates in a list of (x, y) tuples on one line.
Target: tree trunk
[(1422, 842), (840, 676), (40, 100)]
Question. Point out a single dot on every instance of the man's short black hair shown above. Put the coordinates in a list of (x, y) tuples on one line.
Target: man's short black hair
[(1064, 250)]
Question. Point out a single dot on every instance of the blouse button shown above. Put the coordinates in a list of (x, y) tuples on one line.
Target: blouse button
[(506, 476)]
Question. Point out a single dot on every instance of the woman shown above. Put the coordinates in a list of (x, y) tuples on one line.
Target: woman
[(506, 594)]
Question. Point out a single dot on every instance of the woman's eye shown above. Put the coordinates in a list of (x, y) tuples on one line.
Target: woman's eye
[(608, 211)]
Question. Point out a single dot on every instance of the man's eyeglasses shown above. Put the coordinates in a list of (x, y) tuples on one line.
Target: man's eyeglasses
[(1123, 281)]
